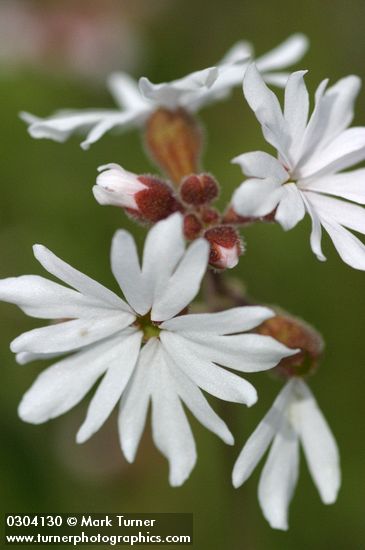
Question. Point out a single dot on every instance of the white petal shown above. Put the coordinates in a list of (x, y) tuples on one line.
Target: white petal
[(184, 284), (344, 151), (215, 380), (344, 213), (69, 335), (277, 79), (291, 207), (332, 213), (198, 405), (316, 233), (287, 53), (119, 120), (279, 477), (319, 445), (76, 279), (125, 92), (64, 384), (106, 197), (62, 124), (127, 271), (120, 368), (39, 297), (170, 428), (316, 127), (341, 106), (135, 400), (257, 197), (259, 441), (237, 319), (171, 94), (347, 185), (163, 249), (267, 109), (25, 357), (349, 247), (258, 164), (243, 352), (240, 51), (296, 108)]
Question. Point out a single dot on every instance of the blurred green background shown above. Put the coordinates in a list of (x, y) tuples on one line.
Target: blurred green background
[(46, 197)]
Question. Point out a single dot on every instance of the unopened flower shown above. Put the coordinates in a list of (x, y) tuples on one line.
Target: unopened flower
[(225, 246), (295, 334), (199, 189), (312, 154), (142, 347), (145, 197), (136, 102), (192, 227), (294, 418)]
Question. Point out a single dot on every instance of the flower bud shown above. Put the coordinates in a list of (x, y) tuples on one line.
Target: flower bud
[(295, 333), (199, 189), (192, 227), (210, 216), (144, 197), (174, 140), (225, 246)]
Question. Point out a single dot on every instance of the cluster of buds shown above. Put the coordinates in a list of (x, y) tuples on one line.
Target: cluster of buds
[(174, 141), (295, 334), (197, 192)]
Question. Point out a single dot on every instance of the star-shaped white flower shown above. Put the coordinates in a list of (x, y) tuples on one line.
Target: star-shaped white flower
[(104, 333), (136, 102), (294, 417), (312, 154)]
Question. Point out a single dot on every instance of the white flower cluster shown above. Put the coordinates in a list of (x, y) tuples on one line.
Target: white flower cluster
[(136, 101), (146, 347)]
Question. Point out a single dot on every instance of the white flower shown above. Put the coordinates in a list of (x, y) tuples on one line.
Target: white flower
[(137, 102), (104, 334), (293, 418), (311, 157)]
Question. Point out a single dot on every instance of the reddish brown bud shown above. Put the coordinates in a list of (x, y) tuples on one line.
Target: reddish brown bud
[(199, 189), (225, 246), (174, 140), (295, 333), (210, 216), (192, 227), (155, 202)]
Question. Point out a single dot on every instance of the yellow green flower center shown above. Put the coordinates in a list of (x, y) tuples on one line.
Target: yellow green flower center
[(147, 326)]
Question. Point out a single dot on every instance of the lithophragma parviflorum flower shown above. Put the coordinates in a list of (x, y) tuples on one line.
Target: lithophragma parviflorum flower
[(307, 176), (293, 418), (145, 347), (137, 101)]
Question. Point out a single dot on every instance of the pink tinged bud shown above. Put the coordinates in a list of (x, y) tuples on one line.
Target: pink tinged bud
[(199, 189), (117, 187), (144, 197), (225, 246)]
